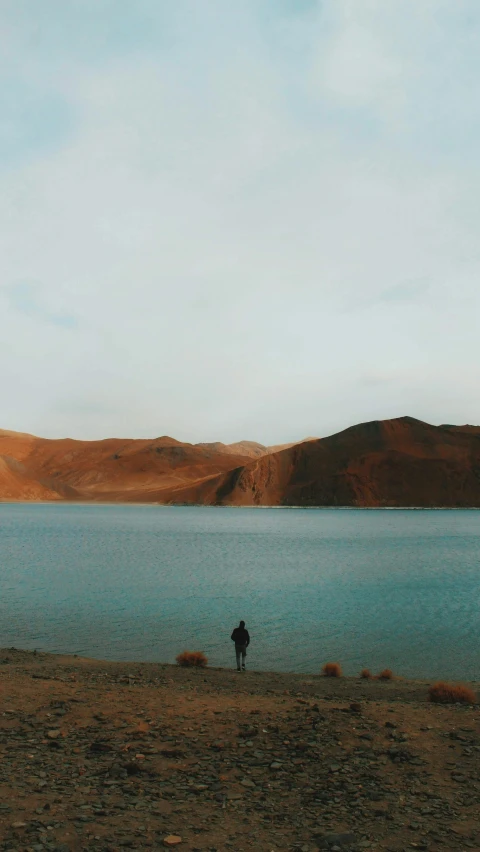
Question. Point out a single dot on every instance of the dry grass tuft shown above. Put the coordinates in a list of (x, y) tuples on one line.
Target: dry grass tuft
[(387, 674), (366, 674), (449, 693), (192, 658), (332, 670)]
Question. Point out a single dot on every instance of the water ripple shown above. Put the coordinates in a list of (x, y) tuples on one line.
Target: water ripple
[(376, 589)]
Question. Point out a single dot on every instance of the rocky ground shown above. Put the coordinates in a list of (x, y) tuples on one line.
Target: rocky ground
[(106, 756)]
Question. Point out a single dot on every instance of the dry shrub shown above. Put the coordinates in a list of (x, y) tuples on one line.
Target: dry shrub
[(387, 674), (366, 674), (192, 658), (332, 670), (449, 693)]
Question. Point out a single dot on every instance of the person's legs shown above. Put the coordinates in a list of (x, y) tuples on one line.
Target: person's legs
[(237, 654), (244, 654)]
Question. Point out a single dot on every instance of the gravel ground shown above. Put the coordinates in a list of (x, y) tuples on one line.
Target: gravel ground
[(97, 755)]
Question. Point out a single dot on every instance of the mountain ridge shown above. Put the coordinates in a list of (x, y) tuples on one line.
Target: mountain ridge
[(393, 463)]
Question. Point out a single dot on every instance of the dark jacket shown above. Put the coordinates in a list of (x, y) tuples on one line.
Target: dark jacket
[(240, 636)]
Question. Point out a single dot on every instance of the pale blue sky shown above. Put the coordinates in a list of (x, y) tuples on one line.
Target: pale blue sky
[(248, 219)]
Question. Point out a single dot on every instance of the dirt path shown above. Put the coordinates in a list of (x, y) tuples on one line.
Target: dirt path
[(104, 756)]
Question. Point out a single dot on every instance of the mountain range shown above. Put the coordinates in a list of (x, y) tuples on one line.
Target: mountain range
[(399, 462)]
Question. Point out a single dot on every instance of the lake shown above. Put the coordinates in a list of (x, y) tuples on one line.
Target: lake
[(367, 588)]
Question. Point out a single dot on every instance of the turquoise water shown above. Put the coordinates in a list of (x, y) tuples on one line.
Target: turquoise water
[(366, 588)]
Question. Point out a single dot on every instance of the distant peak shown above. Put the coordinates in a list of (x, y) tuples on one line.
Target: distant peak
[(167, 441)]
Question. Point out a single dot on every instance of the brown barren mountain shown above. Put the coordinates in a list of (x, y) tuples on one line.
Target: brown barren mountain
[(402, 462), (119, 470), (16, 485), (249, 448), (472, 430)]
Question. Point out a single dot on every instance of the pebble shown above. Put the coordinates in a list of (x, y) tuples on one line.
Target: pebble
[(327, 841)]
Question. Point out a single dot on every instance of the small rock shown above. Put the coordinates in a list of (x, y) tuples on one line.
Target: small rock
[(100, 747), (132, 768), (54, 734), (327, 841), (172, 840)]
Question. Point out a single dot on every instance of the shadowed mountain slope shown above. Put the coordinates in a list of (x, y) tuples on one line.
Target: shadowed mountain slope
[(402, 462), (472, 430)]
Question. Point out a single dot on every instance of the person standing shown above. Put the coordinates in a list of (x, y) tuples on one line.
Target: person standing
[(241, 638)]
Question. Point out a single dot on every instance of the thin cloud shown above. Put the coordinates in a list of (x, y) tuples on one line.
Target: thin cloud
[(406, 291), (25, 297), (401, 294)]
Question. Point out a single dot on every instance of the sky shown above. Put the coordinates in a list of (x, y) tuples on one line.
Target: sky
[(254, 219)]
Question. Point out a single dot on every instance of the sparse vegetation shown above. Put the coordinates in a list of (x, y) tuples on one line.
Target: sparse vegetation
[(386, 674), (332, 670), (366, 674), (450, 693), (192, 658)]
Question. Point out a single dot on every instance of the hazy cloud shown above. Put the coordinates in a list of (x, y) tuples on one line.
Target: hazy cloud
[(25, 297), (208, 192)]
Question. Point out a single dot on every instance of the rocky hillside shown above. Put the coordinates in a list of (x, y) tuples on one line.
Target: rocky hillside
[(115, 469), (402, 462)]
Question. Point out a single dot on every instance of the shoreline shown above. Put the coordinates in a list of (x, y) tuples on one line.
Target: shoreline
[(400, 680), (99, 756), (219, 506), (401, 687)]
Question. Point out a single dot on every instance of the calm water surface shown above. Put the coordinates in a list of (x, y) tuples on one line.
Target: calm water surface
[(366, 588)]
